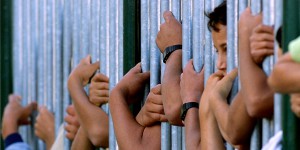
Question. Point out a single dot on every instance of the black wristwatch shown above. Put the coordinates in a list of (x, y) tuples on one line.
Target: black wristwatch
[(169, 50), (186, 106)]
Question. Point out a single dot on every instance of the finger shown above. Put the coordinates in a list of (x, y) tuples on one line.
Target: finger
[(99, 101), (232, 75), (96, 66), (157, 89), (99, 77), (261, 28), (99, 86), (158, 109), (71, 110), (100, 93), (13, 97), (167, 16), (29, 108), (262, 45), (163, 118), (155, 99), (262, 37), (262, 53)]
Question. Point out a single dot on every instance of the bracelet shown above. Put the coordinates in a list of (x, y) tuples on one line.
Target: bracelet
[(169, 50), (294, 49)]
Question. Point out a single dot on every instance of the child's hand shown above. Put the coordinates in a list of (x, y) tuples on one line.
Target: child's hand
[(84, 71), (99, 89)]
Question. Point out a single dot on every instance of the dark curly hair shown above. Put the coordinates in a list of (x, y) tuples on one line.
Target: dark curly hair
[(217, 16)]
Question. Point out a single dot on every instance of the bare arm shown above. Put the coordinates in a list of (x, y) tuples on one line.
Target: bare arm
[(257, 95), (93, 119), (191, 89), (171, 34), (234, 122), (285, 75), (129, 133), (81, 141)]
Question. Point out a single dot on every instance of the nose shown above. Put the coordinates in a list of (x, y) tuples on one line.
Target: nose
[(221, 63)]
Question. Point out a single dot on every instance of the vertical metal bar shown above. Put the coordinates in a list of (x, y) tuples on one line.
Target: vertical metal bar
[(84, 28), (95, 33), (33, 59), (154, 52), (176, 8), (256, 135), (41, 57), (67, 45), (198, 34), (57, 68), (104, 45), (277, 97), (145, 20), (113, 64), (76, 33), (255, 6), (186, 32), (268, 19), (49, 56), (119, 39), (208, 48), (25, 71), (232, 43), (17, 46)]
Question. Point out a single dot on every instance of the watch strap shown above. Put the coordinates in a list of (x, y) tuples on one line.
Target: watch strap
[(186, 107), (169, 50)]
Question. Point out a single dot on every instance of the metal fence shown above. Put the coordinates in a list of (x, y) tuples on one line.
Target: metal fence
[(50, 37)]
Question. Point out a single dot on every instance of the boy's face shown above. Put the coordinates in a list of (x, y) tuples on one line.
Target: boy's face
[(220, 43)]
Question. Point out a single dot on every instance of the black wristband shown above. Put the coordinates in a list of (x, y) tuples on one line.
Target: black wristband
[(186, 107), (169, 50)]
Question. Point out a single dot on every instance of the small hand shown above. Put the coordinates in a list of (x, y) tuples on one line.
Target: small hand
[(224, 85), (153, 111), (248, 22), (72, 123), (15, 115), (170, 32), (133, 83), (261, 43), (44, 126), (295, 104), (99, 89), (191, 84), (84, 71)]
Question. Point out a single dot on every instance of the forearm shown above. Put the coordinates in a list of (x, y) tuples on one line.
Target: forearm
[(9, 126), (257, 94), (240, 125), (192, 129), (285, 75), (171, 88), (211, 138), (81, 141), (93, 119), (220, 108), (126, 127)]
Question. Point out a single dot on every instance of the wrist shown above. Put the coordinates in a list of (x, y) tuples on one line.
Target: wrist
[(188, 99), (9, 126), (169, 51)]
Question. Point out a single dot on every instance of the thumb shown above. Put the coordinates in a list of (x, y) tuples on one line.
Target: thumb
[(157, 89), (29, 108), (167, 16), (96, 65)]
